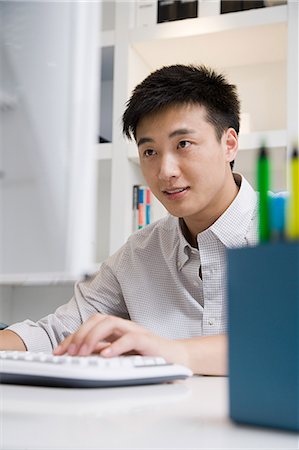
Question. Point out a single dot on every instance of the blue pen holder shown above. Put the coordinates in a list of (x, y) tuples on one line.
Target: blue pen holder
[(263, 307)]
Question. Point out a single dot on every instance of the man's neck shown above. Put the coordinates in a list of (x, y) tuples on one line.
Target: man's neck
[(187, 234), (191, 228)]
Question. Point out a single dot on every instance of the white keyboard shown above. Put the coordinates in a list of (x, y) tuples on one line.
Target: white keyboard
[(45, 369)]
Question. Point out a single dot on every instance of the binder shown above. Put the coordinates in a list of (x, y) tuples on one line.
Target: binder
[(228, 6), (188, 9), (253, 4), (168, 10)]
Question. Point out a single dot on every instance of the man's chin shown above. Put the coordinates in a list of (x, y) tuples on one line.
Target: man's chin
[(178, 212)]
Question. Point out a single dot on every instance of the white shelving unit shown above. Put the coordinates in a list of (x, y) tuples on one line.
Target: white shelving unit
[(258, 51), (204, 39)]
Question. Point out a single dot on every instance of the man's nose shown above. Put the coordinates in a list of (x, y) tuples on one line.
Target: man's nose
[(169, 167)]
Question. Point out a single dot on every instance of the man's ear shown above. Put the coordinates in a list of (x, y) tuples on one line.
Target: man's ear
[(230, 144)]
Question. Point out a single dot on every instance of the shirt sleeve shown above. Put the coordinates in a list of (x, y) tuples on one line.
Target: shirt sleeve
[(100, 293)]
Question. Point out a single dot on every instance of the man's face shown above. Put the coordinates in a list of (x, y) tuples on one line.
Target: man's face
[(184, 164)]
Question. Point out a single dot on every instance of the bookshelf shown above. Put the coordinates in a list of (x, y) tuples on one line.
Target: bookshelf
[(240, 31), (258, 51)]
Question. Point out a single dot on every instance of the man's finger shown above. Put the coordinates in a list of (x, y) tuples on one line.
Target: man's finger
[(109, 326), (143, 344), (73, 342), (62, 347)]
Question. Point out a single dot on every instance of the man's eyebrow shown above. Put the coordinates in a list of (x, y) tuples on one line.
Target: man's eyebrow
[(181, 131), (144, 140)]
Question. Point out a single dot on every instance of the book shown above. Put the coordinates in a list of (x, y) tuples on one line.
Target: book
[(188, 9), (146, 13), (147, 206), (135, 196), (228, 6), (253, 4), (169, 10), (141, 207)]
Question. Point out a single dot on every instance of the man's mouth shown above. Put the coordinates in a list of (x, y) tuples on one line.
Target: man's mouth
[(175, 192)]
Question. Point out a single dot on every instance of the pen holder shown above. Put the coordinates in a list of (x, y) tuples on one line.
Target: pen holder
[(263, 308)]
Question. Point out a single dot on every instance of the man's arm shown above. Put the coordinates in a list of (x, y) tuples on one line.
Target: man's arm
[(207, 355), (100, 292), (113, 336), (11, 341)]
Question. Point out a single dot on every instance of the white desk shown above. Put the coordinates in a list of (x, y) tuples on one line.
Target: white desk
[(186, 415)]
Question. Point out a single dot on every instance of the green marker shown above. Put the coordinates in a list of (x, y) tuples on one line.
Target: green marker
[(263, 183)]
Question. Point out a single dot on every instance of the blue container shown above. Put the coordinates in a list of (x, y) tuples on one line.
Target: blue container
[(263, 308)]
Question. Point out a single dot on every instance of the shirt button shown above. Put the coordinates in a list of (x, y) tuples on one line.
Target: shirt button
[(211, 321)]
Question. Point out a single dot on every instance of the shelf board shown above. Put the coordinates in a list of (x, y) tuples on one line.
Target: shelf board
[(248, 141), (272, 139), (255, 36), (132, 153), (37, 279), (45, 278), (103, 152), (106, 38)]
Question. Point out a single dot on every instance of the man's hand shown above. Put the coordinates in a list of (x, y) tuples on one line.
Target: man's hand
[(112, 336)]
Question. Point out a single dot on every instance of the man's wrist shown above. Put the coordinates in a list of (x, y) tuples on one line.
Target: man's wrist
[(9, 340), (206, 355)]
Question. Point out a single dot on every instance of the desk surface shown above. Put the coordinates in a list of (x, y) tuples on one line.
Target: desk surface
[(185, 415)]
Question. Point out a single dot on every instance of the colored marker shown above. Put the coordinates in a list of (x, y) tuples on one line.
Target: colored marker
[(263, 183), (277, 216), (293, 227)]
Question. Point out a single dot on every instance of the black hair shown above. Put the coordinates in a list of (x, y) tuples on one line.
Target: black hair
[(184, 84)]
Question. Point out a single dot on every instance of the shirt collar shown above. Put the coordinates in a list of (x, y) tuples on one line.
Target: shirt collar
[(231, 228), (184, 248), (234, 224)]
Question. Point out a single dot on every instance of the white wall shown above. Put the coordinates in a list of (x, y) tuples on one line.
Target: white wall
[(268, 104), (1, 142), (18, 303), (35, 49), (49, 61)]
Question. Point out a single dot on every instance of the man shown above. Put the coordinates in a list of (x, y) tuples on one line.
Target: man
[(163, 292)]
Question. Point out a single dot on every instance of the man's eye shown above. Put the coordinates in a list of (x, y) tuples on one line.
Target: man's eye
[(184, 144), (149, 152)]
